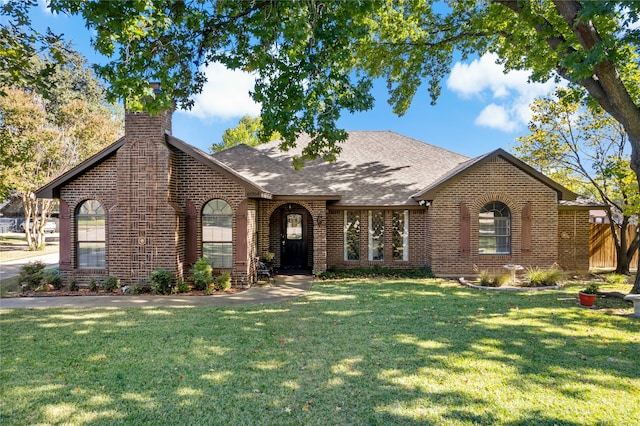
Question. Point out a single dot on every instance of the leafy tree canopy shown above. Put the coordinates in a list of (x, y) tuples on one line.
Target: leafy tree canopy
[(586, 150), (248, 131), (42, 137), (20, 44), (316, 59)]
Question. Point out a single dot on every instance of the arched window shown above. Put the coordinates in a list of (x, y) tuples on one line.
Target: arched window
[(495, 229), (91, 236), (217, 235)]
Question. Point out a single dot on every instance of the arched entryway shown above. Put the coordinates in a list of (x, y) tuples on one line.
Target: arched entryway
[(291, 237)]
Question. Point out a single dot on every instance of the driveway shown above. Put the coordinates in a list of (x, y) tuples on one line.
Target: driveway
[(285, 287)]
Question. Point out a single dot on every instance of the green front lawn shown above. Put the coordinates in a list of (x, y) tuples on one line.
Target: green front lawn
[(352, 352)]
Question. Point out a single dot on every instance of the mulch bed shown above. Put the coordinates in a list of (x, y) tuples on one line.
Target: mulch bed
[(86, 292)]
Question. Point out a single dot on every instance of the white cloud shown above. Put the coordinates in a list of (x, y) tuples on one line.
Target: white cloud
[(511, 93), (44, 7), (496, 117), (225, 95)]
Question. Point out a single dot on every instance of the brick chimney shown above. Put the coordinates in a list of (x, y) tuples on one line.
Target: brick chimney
[(143, 222)]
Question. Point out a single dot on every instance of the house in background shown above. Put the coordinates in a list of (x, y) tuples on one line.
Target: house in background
[(151, 201)]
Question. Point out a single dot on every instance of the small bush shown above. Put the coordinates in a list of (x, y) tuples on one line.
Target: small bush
[(182, 287), (31, 275), (111, 284), (592, 288), (139, 289), (223, 282), (161, 281), (615, 279), (52, 278), (201, 274), (377, 271), (488, 279), (94, 285), (536, 277), (73, 285)]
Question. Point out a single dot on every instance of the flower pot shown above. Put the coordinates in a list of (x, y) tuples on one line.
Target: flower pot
[(587, 299)]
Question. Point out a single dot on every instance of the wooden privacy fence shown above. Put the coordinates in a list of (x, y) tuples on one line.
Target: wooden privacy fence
[(602, 249)]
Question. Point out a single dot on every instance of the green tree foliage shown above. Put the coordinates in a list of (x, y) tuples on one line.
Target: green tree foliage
[(20, 44), (585, 149), (315, 59), (249, 131), (42, 138)]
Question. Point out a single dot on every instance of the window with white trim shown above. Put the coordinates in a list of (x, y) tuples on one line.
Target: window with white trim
[(217, 234), (494, 229)]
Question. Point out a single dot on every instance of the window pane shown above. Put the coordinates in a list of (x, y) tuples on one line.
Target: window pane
[(376, 235), (90, 235), (220, 255), (217, 233), (294, 227), (400, 235), (91, 255), (216, 228), (351, 235), (494, 225)]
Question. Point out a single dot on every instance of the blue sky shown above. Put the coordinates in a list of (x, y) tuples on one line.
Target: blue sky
[(480, 108)]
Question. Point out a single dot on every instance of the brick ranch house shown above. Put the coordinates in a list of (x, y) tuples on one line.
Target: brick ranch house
[(151, 201)]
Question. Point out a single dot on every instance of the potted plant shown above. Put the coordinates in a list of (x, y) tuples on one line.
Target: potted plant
[(268, 256), (588, 295)]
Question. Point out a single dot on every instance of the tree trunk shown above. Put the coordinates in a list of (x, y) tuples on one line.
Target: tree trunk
[(622, 262), (36, 213)]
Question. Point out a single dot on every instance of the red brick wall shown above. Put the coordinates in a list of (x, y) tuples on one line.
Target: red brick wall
[(144, 226), (98, 184), (200, 184), (496, 180)]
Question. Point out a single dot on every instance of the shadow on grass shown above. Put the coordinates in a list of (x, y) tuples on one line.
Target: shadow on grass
[(352, 352)]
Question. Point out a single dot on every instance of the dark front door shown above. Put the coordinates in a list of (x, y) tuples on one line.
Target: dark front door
[(294, 241)]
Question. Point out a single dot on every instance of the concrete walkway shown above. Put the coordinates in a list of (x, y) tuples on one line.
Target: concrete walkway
[(285, 287)]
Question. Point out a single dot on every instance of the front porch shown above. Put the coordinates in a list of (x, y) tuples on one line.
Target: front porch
[(295, 232)]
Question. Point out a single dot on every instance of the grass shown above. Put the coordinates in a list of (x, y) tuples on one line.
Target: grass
[(352, 352)]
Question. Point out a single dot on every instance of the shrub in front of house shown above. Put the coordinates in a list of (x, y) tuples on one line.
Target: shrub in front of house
[(94, 285), (139, 289), (537, 277), (201, 274), (487, 279), (31, 275), (161, 281), (182, 287), (376, 271), (52, 278), (223, 282), (111, 284)]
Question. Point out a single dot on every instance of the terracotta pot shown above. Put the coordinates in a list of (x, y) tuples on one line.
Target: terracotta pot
[(587, 299)]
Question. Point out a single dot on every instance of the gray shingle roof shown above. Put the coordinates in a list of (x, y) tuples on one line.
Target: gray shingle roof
[(374, 168)]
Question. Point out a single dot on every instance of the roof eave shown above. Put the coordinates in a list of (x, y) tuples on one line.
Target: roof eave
[(52, 189), (318, 197), (429, 193)]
